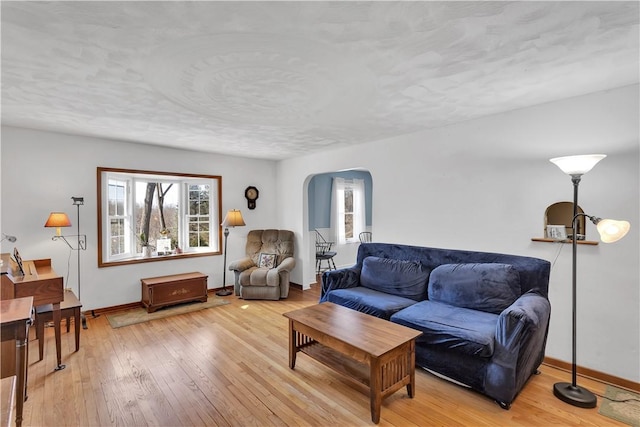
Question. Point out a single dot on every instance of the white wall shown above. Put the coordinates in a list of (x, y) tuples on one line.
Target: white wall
[(484, 185), (42, 170)]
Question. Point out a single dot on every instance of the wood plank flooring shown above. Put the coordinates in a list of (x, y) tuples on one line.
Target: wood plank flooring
[(228, 366)]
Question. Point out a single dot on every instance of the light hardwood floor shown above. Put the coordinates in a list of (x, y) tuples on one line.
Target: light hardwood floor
[(228, 366)]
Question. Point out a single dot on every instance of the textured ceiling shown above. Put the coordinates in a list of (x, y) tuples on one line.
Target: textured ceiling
[(281, 79)]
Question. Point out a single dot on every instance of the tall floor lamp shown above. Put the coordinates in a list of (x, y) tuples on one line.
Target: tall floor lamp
[(60, 219), (610, 231), (232, 219)]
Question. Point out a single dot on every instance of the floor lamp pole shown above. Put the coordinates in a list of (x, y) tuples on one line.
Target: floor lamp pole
[(572, 393), (224, 291), (81, 245)]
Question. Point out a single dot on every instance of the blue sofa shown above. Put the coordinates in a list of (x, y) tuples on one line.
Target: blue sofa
[(484, 316)]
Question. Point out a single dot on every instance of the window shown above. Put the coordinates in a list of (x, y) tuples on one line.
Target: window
[(199, 219), (163, 214), (348, 209), (117, 220)]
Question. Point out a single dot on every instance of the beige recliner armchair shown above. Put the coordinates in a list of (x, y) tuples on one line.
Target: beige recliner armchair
[(264, 273)]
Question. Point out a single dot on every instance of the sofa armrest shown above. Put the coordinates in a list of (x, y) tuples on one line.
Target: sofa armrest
[(521, 336), (241, 264), (527, 316), (339, 279)]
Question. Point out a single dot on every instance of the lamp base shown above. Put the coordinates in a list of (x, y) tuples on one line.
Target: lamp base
[(224, 292), (574, 395)]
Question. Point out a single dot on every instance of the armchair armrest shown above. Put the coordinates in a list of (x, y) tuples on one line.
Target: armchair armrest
[(241, 264), (339, 279), (280, 275), (287, 264)]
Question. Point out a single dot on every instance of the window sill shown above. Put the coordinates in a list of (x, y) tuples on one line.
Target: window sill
[(547, 240), (154, 258)]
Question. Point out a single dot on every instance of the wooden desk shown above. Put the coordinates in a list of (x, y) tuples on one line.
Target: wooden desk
[(15, 317), (42, 283)]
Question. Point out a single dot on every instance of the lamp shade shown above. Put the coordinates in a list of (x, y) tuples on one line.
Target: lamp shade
[(233, 218), (57, 220), (612, 230), (577, 165)]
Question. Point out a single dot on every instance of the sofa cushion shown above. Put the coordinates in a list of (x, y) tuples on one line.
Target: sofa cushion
[(448, 327), (407, 279), (369, 301), (489, 287)]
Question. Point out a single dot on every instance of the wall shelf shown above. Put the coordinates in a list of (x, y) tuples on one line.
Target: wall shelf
[(547, 240)]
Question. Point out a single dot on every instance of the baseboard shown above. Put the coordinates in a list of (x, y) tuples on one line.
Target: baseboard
[(592, 374), (138, 304), (121, 307)]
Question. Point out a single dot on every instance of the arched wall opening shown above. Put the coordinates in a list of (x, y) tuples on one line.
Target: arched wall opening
[(318, 215)]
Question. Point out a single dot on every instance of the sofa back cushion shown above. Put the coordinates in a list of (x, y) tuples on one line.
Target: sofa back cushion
[(397, 277), (488, 287)]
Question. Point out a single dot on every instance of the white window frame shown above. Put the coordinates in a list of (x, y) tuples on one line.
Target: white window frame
[(338, 214), (127, 217), (185, 214)]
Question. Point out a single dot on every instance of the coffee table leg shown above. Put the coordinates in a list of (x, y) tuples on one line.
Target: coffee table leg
[(411, 387), (375, 384), (292, 345)]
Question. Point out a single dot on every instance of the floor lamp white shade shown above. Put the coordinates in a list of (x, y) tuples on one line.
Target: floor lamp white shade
[(577, 165)]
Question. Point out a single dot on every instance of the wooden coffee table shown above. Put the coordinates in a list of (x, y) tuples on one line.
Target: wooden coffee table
[(373, 351)]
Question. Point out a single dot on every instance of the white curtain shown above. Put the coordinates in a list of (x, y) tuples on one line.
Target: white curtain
[(337, 208), (359, 209)]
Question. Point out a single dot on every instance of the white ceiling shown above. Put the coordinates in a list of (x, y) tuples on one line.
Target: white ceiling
[(276, 80)]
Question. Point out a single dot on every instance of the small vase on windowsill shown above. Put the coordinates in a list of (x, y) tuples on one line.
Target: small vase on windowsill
[(146, 252)]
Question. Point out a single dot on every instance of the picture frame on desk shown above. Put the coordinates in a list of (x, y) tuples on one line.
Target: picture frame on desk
[(18, 259)]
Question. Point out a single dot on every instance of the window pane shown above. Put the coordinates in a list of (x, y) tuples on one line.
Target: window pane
[(117, 238), (199, 215), (348, 226), (348, 213), (120, 200), (348, 200), (116, 195)]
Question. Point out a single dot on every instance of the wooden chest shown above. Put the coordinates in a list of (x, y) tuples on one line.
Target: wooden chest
[(162, 291)]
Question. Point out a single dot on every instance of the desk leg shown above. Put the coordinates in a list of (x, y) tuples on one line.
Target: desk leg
[(76, 324), (56, 326), (22, 348)]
